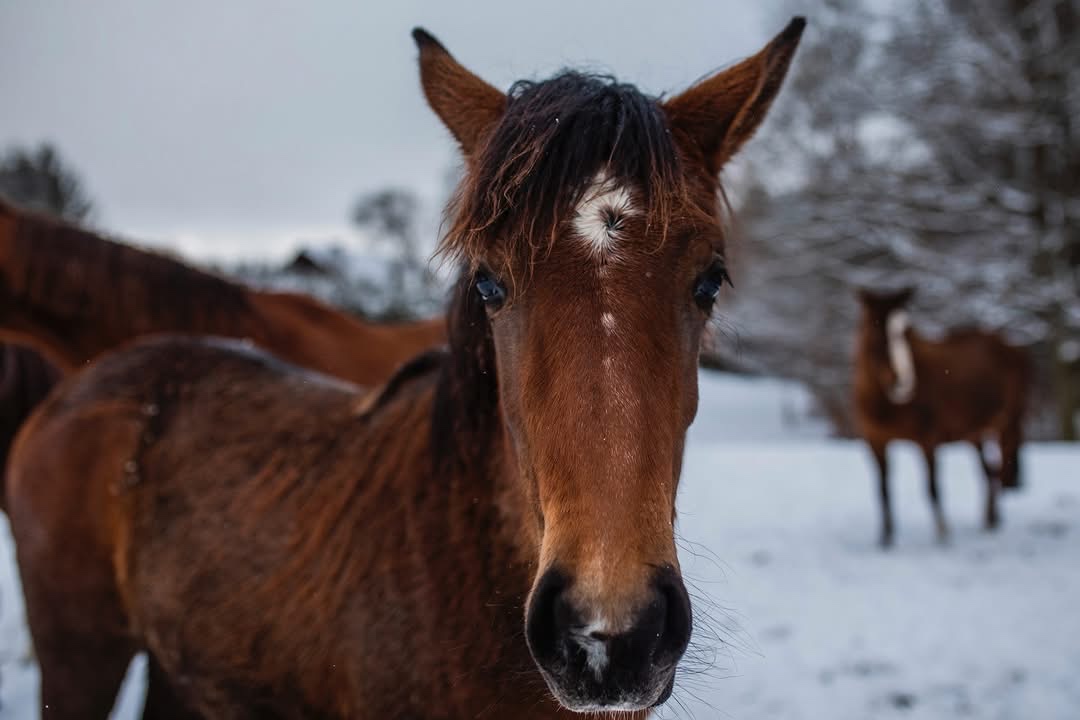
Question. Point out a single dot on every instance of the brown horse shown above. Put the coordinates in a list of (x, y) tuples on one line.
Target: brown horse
[(71, 295), (25, 379), (488, 535), (965, 388)]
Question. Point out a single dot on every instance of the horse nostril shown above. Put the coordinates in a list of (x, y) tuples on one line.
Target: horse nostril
[(548, 618), (678, 620)]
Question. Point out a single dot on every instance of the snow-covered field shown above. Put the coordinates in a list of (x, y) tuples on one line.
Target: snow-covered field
[(812, 620)]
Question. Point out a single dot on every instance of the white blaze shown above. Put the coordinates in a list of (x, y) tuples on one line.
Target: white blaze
[(600, 214), (903, 364)]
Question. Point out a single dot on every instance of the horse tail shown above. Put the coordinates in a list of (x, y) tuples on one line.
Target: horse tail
[(25, 381), (73, 294)]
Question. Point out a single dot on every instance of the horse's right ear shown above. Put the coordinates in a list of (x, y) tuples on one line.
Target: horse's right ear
[(468, 106)]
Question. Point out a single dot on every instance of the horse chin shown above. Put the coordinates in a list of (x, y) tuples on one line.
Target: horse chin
[(567, 692), (666, 692)]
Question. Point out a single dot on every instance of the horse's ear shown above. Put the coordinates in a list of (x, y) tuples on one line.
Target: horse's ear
[(468, 106), (719, 114), (904, 295)]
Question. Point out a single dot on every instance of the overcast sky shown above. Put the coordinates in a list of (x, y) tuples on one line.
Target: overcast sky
[(242, 127)]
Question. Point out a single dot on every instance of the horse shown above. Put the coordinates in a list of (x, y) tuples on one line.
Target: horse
[(25, 379), (488, 534), (968, 387), (71, 295)]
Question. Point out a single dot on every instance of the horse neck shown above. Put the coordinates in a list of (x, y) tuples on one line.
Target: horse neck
[(472, 448), (484, 510), (464, 538), (873, 341), (309, 333), (73, 294)]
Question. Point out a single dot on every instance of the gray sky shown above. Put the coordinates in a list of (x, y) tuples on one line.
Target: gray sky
[(243, 127)]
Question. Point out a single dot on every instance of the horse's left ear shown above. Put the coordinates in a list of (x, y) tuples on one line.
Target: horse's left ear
[(468, 106), (722, 112)]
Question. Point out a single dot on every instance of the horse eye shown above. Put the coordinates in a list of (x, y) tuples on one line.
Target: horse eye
[(491, 291), (709, 285)]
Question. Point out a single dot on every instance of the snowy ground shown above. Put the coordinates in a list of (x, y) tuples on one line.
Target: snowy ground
[(779, 527)]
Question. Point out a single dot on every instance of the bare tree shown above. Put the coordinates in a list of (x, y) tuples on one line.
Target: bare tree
[(391, 219)]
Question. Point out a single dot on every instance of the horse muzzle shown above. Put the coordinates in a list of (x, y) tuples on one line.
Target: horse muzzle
[(589, 667)]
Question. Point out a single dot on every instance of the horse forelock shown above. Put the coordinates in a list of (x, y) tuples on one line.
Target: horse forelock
[(555, 140)]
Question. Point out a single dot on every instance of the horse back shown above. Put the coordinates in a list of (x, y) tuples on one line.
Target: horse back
[(972, 382), (966, 384), (256, 502), (196, 473)]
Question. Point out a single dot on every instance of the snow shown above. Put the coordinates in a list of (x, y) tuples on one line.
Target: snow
[(778, 527), (830, 626)]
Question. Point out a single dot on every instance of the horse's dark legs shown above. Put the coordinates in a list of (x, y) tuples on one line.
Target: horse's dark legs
[(930, 453), (1011, 438), (984, 459), (882, 459), (993, 475), (992, 520)]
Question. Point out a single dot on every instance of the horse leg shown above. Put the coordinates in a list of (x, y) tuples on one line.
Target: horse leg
[(882, 459), (77, 625), (993, 486), (1010, 441), (930, 453), (989, 469), (77, 620)]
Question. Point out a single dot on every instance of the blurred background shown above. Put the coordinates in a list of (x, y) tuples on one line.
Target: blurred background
[(932, 143), (926, 143)]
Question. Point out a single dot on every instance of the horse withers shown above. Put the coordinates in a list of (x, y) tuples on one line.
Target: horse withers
[(970, 386), (488, 535)]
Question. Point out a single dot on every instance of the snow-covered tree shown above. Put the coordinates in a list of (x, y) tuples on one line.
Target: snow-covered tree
[(932, 143)]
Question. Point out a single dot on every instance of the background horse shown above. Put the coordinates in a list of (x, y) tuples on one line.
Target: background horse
[(71, 295), (25, 379), (969, 386), (491, 533)]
